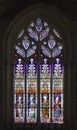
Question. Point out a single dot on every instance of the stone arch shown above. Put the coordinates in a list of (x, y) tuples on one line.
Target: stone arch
[(55, 19)]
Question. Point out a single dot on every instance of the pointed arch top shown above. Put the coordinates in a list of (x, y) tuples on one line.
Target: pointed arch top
[(49, 14), (56, 20)]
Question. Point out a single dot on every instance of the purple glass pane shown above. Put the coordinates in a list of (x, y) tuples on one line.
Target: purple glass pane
[(20, 51), (47, 52), (56, 51), (38, 25), (26, 43), (30, 52), (44, 34), (57, 69), (51, 43), (33, 34), (21, 33), (56, 33)]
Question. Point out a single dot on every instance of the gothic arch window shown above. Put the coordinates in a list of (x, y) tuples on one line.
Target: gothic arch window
[(36, 69), (38, 73)]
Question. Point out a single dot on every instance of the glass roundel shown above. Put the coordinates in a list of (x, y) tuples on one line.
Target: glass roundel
[(38, 75)]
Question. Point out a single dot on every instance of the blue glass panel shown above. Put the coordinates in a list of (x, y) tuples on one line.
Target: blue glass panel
[(57, 109)]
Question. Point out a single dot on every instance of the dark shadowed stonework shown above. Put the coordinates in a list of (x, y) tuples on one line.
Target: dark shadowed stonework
[(14, 14)]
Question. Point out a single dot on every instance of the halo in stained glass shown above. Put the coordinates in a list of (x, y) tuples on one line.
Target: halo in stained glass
[(51, 43), (21, 33), (30, 52), (26, 43)]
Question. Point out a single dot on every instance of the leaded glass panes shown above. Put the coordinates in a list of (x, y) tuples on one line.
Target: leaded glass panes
[(45, 92), (19, 91), (38, 75), (57, 69), (57, 91), (51, 43), (26, 43), (31, 93)]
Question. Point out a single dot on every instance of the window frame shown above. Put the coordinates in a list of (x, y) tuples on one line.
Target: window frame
[(9, 51)]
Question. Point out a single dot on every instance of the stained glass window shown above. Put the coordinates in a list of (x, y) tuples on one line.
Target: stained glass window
[(38, 75)]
